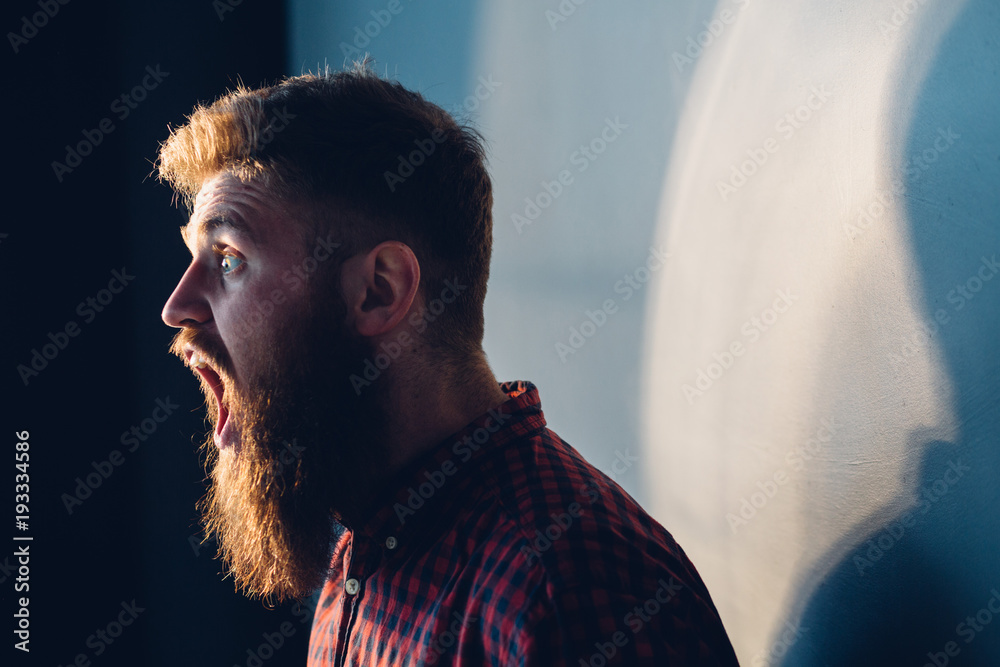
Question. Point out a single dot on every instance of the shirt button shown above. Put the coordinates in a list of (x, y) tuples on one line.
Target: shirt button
[(390, 542), (352, 586)]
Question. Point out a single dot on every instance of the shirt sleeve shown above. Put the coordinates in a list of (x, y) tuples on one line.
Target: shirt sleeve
[(583, 626)]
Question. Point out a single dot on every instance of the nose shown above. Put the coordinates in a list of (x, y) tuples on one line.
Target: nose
[(187, 305)]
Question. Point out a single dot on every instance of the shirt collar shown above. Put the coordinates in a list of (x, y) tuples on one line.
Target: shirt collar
[(407, 505)]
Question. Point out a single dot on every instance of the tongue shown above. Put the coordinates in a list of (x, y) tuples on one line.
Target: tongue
[(222, 434)]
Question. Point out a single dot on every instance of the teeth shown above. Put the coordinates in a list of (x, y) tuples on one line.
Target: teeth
[(197, 361)]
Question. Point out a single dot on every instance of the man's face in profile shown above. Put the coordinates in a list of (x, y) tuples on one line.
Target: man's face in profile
[(293, 445)]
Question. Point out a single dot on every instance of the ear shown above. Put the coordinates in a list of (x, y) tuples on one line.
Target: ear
[(379, 287)]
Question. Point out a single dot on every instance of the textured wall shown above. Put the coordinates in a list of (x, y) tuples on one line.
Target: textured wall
[(578, 104), (865, 149), (821, 392)]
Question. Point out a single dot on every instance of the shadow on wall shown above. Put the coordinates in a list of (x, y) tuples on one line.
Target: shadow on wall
[(922, 586)]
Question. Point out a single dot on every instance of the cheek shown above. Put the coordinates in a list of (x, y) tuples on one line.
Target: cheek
[(254, 308), (250, 318), (243, 318)]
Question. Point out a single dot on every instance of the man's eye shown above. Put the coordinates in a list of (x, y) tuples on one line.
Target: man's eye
[(230, 263)]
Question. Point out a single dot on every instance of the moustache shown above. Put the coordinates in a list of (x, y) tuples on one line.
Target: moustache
[(211, 350)]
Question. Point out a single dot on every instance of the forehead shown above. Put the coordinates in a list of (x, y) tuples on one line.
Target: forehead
[(246, 208)]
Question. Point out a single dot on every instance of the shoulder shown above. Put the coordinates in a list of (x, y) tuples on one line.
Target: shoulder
[(588, 561), (576, 523)]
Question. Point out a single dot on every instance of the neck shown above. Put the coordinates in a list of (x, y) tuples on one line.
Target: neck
[(431, 400), (426, 401)]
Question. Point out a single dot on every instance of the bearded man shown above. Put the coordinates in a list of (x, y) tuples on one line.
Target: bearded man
[(340, 233)]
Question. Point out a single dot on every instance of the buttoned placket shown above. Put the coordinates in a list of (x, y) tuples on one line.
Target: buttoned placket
[(344, 631), (395, 536), (362, 559)]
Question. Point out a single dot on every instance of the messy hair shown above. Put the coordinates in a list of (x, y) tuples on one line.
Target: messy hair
[(371, 161)]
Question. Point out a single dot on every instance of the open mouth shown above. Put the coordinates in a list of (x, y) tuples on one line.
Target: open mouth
[(200, 364)]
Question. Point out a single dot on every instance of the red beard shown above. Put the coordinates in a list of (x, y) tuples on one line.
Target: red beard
[(309, 447)]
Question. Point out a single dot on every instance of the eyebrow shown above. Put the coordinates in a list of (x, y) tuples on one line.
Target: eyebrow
[(222, 221)]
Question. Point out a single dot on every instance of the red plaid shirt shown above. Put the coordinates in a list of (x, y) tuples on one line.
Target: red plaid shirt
[(503, 546)]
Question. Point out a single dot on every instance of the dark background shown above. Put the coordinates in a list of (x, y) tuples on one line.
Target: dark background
[(135, 537)]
